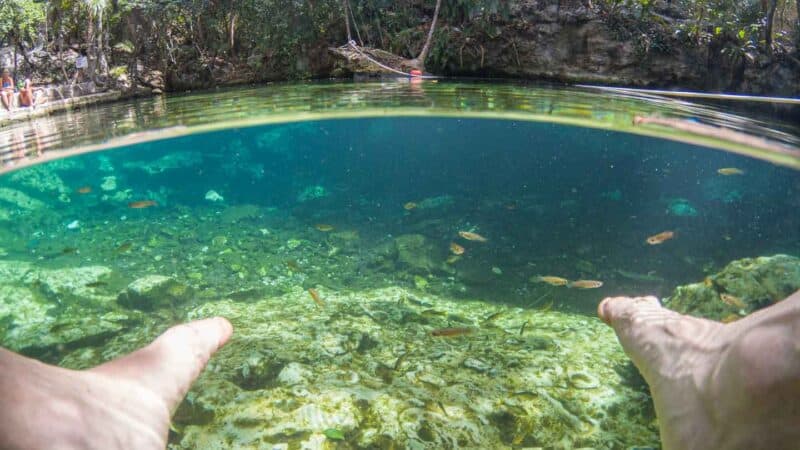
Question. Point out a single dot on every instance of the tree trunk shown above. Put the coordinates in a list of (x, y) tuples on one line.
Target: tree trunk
[(769, 20), (423, 54), (91, 50), (102, 63), (347, 19), (797, 28), (232, 32)]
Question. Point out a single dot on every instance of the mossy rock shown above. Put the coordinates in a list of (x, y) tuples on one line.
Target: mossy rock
[(153, 292), (756, 282), (418, 254), (233, 214)]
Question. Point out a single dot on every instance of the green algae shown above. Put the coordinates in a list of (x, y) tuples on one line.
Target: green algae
[(757, 282)]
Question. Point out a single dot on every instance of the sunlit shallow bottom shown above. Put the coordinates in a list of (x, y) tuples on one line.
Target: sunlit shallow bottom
[(384, 276)]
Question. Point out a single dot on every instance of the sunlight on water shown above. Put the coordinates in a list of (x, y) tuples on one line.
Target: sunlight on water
[(416, 282)]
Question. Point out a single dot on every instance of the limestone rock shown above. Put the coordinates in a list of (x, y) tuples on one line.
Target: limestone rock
[(294, 370), (40, 178), (154, 291), (418, 254), (757, 282), (20, 199)]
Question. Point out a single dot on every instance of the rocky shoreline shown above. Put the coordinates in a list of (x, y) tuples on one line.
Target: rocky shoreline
[(58, 102)]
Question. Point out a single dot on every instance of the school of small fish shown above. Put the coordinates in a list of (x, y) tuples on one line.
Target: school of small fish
[(560, 281)]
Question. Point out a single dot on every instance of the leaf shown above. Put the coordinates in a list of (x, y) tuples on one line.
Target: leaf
[(334, 434)]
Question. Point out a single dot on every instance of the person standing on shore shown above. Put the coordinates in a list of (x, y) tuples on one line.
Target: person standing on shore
[(81, 64)]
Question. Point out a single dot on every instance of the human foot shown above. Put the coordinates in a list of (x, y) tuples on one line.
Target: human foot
[(125, 403), (716, 386)]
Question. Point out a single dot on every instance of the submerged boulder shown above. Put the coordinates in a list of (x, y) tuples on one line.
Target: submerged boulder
[(153, 292), (743, 286), (418, 254)]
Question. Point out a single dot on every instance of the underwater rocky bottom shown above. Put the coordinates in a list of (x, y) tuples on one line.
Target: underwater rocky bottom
[(368, 369)]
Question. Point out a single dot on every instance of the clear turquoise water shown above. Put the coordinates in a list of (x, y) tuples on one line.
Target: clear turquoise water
[(249, 218)]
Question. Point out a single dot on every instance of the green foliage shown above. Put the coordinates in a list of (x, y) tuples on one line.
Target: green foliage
[(334, 434), (20, 20), (289, 38), (118, 71)]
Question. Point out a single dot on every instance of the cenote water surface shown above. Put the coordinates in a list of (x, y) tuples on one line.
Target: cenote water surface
[(103, 251)]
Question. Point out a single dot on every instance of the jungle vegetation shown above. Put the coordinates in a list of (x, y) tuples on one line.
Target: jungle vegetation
[(269, 36)]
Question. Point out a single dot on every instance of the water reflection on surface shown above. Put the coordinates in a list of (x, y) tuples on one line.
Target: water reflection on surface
[(110, 125)]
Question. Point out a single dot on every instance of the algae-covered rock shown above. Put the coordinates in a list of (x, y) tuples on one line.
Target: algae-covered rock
[(70, 284), (154, 291), (742, 287), (174, 160), (418, 254), (40, 178), (20, 199), (20, 311), (681, 207), (435, 202), (312, 193), (235, 213), (48, 310), (360, 366), (72, 327)]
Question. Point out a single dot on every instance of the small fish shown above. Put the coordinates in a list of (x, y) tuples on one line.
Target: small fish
[(294, 266), (730, 318), (547, 306), (451, 332), (428, 313), (324, 227), (141, 204), (84, 190), (522, 328), (69, 251), (125, 247), (95, 284), (441, 406), (732, 300), (456, 249), (453, 259), (552, 280), (409, 206), (730, 171), (470, 236), (399, 361), (493, 316), (315, 296), (585, 284), (660, 237), (510, 206)]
